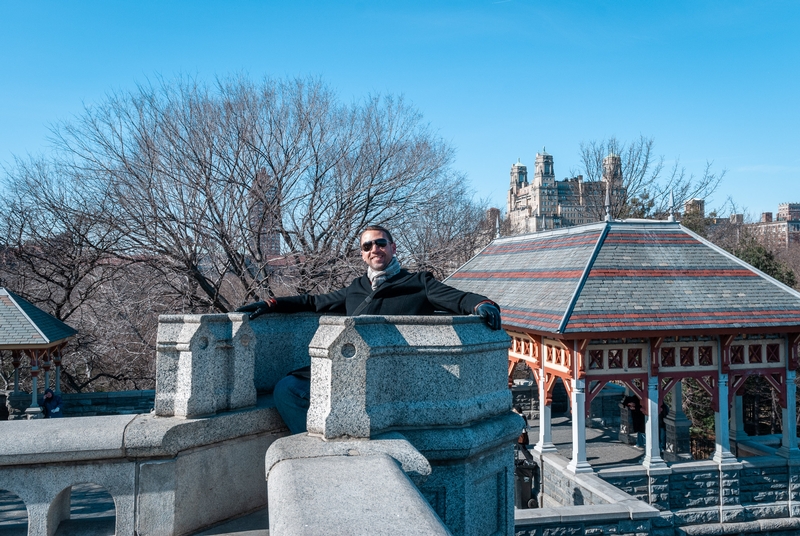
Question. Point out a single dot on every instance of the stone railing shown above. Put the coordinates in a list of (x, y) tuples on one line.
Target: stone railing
[(424, 396), (197, 460), (413, 406)]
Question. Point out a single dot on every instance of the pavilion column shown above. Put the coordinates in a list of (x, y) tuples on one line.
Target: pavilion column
[(678, 424), (545, 443), (16, 361), (46, 366), (788, 447), (578, 464), (57, 363), (737, 420), (34, 411), (722, 452), (652, 451)]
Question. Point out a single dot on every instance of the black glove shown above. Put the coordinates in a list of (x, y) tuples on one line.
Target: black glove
[(490, 314), (258, 308)]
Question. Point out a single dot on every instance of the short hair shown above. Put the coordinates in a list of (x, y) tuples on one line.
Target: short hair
[(383, 230)]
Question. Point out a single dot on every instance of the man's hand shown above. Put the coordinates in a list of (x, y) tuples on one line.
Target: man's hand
[(258, 308), (490, 314)]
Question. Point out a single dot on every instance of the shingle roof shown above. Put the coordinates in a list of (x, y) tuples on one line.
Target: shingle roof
[(625, 276), (23, 325)]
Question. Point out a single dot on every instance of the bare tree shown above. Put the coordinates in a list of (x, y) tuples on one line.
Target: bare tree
[(447, 230), (193, 198), (202, 179), (60, 253), (646, 181), (56, 242)]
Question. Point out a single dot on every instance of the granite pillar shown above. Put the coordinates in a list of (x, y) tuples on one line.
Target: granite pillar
[(205, 365)]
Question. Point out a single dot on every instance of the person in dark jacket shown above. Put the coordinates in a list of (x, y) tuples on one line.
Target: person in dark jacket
[(638, 420), (51, 405), (386, 289)]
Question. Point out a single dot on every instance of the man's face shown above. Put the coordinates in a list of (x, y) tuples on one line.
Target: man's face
[(377, 258)]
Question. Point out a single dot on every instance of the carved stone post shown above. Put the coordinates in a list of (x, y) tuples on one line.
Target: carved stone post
[(204, 364), (439, 381)]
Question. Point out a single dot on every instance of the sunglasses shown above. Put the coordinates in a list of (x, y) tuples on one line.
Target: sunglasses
[(381, 243)]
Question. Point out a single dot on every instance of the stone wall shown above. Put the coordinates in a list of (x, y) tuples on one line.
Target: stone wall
[(115, 403), (91, 404), (605, 407), (581, 521), (763, 480), (525, 395), (751, 496), (694, 485), (583, 504), (706, 497), (604, 411)]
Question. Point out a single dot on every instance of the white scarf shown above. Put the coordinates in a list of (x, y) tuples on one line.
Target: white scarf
[(377, 278)]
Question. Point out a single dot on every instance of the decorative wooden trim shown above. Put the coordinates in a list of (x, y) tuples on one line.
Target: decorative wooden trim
[(776, 379), (655, 354), (707, 380)]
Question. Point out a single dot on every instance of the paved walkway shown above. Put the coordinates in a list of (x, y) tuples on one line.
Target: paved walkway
[(603, 448), (92, 509)]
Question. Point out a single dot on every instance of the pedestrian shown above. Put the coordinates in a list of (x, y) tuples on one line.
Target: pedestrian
[(637, 417), (51, 405)]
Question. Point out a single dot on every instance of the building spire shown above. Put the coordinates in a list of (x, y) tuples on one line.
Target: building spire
[(608, 201)]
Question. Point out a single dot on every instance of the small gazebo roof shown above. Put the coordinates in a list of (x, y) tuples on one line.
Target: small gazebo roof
[(626, 277), (23, 325)]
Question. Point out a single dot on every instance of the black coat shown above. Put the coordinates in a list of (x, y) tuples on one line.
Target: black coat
[(404, 294)]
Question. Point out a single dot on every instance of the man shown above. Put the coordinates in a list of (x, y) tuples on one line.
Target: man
[(386, 289), (51, 405)]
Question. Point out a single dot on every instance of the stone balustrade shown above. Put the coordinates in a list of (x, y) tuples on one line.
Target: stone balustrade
[(424, 399), (197, 460), (437, 382)]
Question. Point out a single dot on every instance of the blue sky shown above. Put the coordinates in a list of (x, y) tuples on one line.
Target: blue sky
[(499, 79)]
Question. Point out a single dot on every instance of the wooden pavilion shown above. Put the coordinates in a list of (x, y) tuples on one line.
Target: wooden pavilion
[(645, 303), (28, 331)]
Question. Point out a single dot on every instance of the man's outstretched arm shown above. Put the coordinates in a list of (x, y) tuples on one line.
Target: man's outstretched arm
[(333, 302), (447, 298)]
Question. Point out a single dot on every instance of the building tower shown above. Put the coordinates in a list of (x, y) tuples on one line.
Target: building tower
[(612, 182), (545, 194), (519, 197), (519, 175), (612, 168)]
